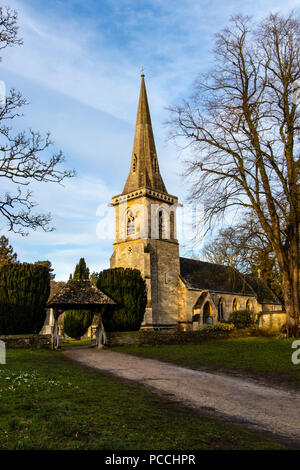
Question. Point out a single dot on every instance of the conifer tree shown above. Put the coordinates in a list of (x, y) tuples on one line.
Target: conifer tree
[(48, 265), (7, 254), (24, 291), (77, 322), (128, 289), (81, 270)]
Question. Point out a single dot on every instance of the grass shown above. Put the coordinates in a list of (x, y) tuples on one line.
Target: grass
[(268, 358), (50, 402), (72, 343)]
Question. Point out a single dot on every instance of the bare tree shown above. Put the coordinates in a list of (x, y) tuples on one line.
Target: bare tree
[(243, 125), (20, 153), (8, 28), (246, 247)]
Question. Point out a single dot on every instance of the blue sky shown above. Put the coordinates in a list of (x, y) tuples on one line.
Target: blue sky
[(80, 69)]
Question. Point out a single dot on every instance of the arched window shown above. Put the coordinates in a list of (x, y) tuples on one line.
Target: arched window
[(207, 314), (134, 163), (221, 309), (172, 226), (249, 306), (155, 166), (161, 227), (130, 223), (235, 305)]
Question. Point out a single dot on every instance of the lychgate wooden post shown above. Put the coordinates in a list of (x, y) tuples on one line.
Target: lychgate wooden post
[(56, 313), (100, 335)]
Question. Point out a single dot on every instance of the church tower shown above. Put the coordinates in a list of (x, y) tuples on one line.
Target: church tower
[(146, 225)]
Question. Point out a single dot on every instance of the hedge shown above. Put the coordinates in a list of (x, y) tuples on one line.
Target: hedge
[(24, 291), (128, 289)]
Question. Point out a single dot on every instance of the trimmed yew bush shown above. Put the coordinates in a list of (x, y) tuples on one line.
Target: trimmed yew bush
[(128, 289), (77, 322), (24, 291)]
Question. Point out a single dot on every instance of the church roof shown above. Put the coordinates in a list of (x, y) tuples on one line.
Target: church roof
[(144, 169), (201, 275), (215, 277), (264, 294), (79, 294)]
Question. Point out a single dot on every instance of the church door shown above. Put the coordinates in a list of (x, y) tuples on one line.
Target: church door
[(207, 314)]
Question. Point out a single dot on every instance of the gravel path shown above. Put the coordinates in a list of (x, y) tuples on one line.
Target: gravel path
[(265, 408)]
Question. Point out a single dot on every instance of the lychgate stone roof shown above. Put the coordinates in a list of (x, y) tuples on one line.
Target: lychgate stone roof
[(79, 293), (144, 169), (55, 287), (219, 278)]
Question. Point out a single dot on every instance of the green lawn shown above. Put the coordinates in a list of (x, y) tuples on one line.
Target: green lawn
[(49, 402), (269, 358), (71, 343)]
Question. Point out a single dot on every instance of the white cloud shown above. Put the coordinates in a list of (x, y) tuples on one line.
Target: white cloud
[(75, 217), (65, 261), (83, 71), (61, 55)]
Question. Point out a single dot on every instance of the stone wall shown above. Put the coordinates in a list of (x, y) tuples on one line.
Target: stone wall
[(164, 281), (122, 337), (192, 314), (271, 308), (47, 328), (153, 337), (179, 337), (27, 341), (271, 321)]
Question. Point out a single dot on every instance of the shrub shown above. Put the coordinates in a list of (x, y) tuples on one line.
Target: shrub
[(24, 291), (241, 319), (77, 322), (216, 329), (128, 289)]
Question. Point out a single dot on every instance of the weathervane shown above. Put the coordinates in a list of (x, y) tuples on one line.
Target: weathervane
[(142, 70)]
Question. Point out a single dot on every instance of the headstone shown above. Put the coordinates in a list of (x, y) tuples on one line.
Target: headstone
[(2, 352)]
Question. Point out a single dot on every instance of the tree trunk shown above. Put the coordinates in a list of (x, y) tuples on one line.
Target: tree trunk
[(291, 326), (290, 287)]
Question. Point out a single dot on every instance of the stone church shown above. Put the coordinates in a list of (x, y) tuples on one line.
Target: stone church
[(180, 290)]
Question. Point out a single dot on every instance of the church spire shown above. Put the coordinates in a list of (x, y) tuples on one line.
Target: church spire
[(144, 169)]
